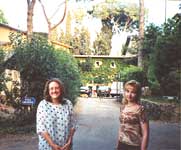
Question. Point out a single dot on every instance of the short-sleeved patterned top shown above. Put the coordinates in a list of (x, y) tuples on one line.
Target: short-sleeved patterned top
[(130, 128), (56, 120)]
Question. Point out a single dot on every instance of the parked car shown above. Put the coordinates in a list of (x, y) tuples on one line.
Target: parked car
[(103, 91), (85, 90)]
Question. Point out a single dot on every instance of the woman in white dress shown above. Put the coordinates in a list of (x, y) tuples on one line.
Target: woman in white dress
[(55, 118)]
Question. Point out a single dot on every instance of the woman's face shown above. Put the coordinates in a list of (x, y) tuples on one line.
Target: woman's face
[(54, 90), (130, 93)]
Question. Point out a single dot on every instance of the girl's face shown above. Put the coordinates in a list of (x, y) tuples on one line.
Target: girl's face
[(130, 93), (54, 90)]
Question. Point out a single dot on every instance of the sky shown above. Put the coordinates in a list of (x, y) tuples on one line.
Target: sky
[(15, 12)]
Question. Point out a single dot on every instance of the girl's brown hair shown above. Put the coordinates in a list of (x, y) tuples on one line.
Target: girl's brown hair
[(137, 87), (46, 90)]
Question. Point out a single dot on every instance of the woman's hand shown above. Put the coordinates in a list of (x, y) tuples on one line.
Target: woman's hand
[(67, 146), (56, 147), (50, 141)]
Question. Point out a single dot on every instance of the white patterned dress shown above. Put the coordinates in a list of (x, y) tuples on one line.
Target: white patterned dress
[(56, 120)]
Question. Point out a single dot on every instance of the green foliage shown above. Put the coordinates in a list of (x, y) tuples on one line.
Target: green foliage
[(150, 37), (167, 60), (131, 73), (115, 14), (86, 77), (38, 61), (2, 55), (104, 74), (120, 11), (80, 41), (1, 69), (16, 39), (152, 80), (84, 40), (2, 18), (86, 66), (99, 80), (164, 43), (11, 93), (152, 32), (102, 44), (67, 70), (79, 14), (68, 24)]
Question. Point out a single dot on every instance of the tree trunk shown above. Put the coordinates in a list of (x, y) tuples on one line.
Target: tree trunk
[(141, 33), (31, 5)]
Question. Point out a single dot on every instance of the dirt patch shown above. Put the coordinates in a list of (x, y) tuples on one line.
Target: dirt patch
[(19, 142)]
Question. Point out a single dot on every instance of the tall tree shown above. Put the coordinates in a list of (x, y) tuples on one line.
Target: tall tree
[(102, 44), (31, 4), (2, 18), (80, 41), (50, 26), (141, 33), (167, 58), (84, 41), (121, 18), (68, 27)]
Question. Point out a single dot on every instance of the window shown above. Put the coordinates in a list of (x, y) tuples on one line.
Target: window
[(113, 65), (98, 64)]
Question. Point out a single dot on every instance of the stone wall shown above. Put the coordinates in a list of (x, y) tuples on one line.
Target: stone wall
[(163, 112)]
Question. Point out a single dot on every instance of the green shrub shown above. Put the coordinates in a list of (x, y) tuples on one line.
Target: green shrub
[(39, 61), (67, 70), (131, 73)]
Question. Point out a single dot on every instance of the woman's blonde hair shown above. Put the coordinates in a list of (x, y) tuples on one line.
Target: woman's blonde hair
[(137, 87)]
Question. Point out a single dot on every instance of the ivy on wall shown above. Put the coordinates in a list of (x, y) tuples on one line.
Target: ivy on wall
[(104, 70)]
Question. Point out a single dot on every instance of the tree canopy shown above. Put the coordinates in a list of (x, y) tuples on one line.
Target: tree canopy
[(116, 13), (163, 46), (2, 18)]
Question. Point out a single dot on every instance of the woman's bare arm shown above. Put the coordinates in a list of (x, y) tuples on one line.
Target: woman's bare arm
[(145, 135), (47, 137)]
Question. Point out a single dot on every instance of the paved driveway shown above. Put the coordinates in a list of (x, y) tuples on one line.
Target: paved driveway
[(97, 130), (98, 126)]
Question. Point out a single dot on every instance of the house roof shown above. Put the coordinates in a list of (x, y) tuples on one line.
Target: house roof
[(11, 28), (25, 32), (18, 30), (61, 44)]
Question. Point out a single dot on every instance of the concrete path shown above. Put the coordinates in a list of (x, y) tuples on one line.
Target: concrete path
[(97, 130)]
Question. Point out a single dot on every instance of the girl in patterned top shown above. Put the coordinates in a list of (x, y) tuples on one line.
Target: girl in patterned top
[(134, 125), (55, 118)]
